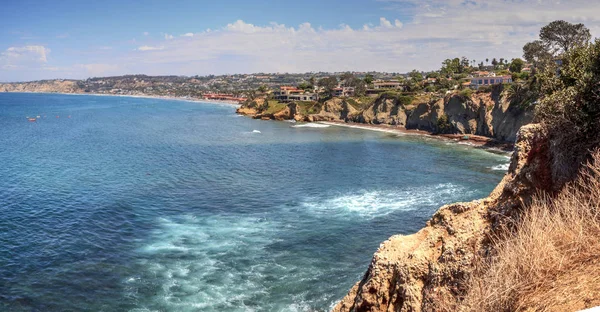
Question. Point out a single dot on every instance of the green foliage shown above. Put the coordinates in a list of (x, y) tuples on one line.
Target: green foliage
[(454, 66), (560, 36), (573, 97), (358, 84), (521, 94), (273, 107), (305, 86), (369, 79), (466, 93), (402, 99), (308, 107), (328, 83), (516, 65), (415, 76)]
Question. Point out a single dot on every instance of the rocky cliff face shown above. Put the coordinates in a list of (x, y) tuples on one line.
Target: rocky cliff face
[(429, 270), (50, 86), (485, 114)]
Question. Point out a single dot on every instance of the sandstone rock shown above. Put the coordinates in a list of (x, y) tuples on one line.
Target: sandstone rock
[(428, 270)]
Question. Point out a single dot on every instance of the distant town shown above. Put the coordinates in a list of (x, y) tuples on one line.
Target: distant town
[(455, 74)]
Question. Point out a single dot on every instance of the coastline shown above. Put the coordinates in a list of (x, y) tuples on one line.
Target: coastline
[(475, 141), (159, 97)]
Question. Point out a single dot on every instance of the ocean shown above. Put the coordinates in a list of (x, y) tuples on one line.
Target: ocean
[(135, 204)]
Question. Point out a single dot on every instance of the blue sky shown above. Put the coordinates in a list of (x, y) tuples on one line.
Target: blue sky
[(80, 39)]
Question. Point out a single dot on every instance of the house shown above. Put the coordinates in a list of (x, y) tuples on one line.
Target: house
[(343, 91), (288, 94), (477, 82), (381, 84)]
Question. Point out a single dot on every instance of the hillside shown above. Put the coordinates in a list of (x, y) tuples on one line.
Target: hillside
[(488, 114)]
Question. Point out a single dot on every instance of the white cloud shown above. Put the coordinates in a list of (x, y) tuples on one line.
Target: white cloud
[(30, 53), (421, 36), (383, 22), (149, 48), (188, 35), (146, 33)]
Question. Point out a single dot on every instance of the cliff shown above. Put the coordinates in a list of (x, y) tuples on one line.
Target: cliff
[(430, 270), (484, 114), (47, 86)]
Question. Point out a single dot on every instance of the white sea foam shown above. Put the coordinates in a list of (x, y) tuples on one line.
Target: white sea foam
[(228, 264), (380, 203), (502, 167), (256, 131), (311, 125)]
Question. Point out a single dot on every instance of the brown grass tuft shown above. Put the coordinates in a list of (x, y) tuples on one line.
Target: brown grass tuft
[(551, 262)]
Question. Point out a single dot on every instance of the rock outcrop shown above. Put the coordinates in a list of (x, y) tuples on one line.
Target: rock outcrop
[(48, 86), (484, 114), (429, 270)]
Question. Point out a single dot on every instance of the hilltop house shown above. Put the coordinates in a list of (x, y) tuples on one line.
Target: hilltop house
[(477, 82), (343, 91), (381, 84), (289, 94)]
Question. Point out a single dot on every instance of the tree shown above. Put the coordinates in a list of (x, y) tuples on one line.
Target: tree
[(262, 89), (560, 36), (305, 86), (464, 64), (516, 65), (487, 61), (346, 77), (328, 83), (415, 76), (494, 62), (535, 52), (369, 79), (359, 86)]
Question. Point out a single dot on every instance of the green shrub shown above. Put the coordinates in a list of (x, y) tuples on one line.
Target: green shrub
[(467, 93)]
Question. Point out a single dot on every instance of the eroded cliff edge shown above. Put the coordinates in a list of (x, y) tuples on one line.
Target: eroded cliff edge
[(488, 114), (429, 270)]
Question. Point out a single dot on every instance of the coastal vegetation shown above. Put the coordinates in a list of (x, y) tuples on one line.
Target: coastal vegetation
[(533, 244)]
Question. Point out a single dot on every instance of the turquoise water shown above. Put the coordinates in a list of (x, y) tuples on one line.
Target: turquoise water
[(153, 205)]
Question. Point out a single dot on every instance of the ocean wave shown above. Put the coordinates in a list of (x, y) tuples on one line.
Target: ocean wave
[(311, 125), (223, 263), (502, 167), (256, 131), (383, 202)]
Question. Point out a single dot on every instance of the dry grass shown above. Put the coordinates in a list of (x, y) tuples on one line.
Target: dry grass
[(552, 261)]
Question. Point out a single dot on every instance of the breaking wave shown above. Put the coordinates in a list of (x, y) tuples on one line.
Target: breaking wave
[(380, 203)]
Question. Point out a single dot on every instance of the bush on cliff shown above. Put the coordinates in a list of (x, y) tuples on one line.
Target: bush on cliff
[(551, 261), (570, 108)]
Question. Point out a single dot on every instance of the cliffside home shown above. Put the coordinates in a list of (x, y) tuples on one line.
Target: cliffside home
[(345, 91), (381, 84), (288, 94), (477, 82)]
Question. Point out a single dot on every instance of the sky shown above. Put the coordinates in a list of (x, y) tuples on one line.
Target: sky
[(81, 39)]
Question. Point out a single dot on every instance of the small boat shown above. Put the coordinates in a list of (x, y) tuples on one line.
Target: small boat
[(31, 119)]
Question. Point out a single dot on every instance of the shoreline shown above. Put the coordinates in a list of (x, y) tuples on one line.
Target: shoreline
[(475, 141), (159, 97)]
